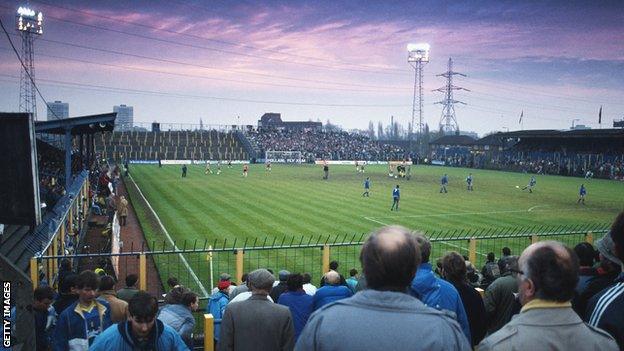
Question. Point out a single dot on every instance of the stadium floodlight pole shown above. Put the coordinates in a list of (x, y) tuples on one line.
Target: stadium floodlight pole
[(29, 24), (417, 57)]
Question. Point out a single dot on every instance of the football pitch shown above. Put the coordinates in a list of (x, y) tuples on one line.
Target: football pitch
[(294, 201)]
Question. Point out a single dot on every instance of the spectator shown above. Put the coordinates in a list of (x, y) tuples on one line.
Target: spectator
[(299, 303), (361, 284), (65, 269), (307, 284), (454, 270), (172, 283), (500, 299), (241, 288), (383, 317), (502, 261), (225, 277), (68, 293), (333, 266), (352, 280), (281, 287), (118, 307), (130, 290), (216, 305), (491, 270), (179, 315), (585, 253), (44, 316), (332, 291), (435, 292), (83, 320), (606, 309), (142, 331), (257, 324), (111, 207), (547, 277), (122, 210)]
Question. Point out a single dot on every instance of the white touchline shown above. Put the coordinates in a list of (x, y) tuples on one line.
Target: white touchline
[(461, 248), (197, 281)]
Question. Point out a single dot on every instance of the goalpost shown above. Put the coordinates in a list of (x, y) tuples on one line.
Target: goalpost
[(283, 157)]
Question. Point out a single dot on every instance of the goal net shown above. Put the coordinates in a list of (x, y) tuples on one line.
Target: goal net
[(283, 157)]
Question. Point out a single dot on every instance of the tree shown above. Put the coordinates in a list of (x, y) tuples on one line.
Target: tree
[(380, 131), (371, 130)]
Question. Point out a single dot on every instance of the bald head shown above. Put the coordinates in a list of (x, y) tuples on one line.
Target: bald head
[(390, 257), (332, 278), (552, 270)]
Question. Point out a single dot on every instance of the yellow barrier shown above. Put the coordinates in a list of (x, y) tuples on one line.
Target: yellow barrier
[(590, 238), (240, 255), (208, 332), (142, 272), (325, 259), (472, 250)]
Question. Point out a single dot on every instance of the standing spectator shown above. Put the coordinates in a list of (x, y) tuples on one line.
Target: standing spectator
[(585, 253), (142, 331), (309, 288), (435, 292), (216, 306), (606, 309), (111, 207), (502, 261), (257, 323), (500, 299), (122, 210), (383, 317), (65, 269), (299, 303), (68, 293), (118, 307), (281, 286), (44, 315), (225, 277), (333, 266), (454, 270), (352, 281), (83, 320), (491, 271), (241, 288), (130, 290), (179, 314), (332, 291), (547, 276)]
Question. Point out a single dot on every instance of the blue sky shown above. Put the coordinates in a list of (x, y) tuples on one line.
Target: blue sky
[(182, 60)]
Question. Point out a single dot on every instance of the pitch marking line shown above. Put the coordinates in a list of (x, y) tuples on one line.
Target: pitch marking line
[(197, 281)]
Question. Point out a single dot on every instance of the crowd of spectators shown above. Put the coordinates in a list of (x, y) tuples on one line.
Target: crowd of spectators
[(330, 145)]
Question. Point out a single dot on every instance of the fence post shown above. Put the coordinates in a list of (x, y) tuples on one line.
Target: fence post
[(34, 272), (472, 251), (142, 272), (325, 258), (534, 238), (240, 255), (208, 332), (589, 238)]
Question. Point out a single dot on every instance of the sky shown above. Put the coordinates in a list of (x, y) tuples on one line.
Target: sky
[(225, 62)]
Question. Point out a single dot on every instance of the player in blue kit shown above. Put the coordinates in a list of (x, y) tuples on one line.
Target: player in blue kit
[(582, 193), (443, 184), (366, 187), (396, 196), (469, 182)]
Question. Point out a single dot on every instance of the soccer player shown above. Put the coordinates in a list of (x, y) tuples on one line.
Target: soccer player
[(362, 167), (229, 164), (469, 182), (531, 184), (357, 167), (245, 170), (582, 193), (184, 169), (268, 167), (325, 170), (443, 184), (396, 196), (218, 167), (208, 170), (366, 187)]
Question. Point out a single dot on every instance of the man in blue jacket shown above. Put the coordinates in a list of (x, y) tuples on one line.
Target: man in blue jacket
[(83, 320), (142, 331), (435, 292), (331, 291)]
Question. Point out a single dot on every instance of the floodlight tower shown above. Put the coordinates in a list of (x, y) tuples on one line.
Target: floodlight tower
[(29, 24), (448, 122), (417, 57)]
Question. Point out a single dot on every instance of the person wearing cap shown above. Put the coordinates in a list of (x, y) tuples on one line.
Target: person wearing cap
[(222, 278), (216, 305), (281, 287), (257, 323), (606, 309)]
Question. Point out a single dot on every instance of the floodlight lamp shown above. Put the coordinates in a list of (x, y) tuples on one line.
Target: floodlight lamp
[(418, 52), (25, 11)]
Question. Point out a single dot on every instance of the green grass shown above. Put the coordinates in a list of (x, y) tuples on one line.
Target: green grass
[(294, 201)]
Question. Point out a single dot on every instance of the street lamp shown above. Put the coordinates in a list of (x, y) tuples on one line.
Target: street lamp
[(417, 56)]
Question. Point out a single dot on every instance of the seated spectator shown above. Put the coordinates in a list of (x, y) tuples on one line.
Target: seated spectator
[(299, 303), (307, 284), (547, 277), (68, 293), (606, 309), (435, 292), (490, 271), (130, 290), (44, 316), (352, 280), (332, 291), (119, 307), (502, 261), (454, 270), (499, 298), (216, 305), (241, 288), (179, 314), (383, 317), (281, 286), (142, 331), (83, 320), (333, 266), (257, 324)]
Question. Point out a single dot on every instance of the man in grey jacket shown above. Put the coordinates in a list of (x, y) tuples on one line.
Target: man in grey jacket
[(384, 317), (257, 323), (548, 273)]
